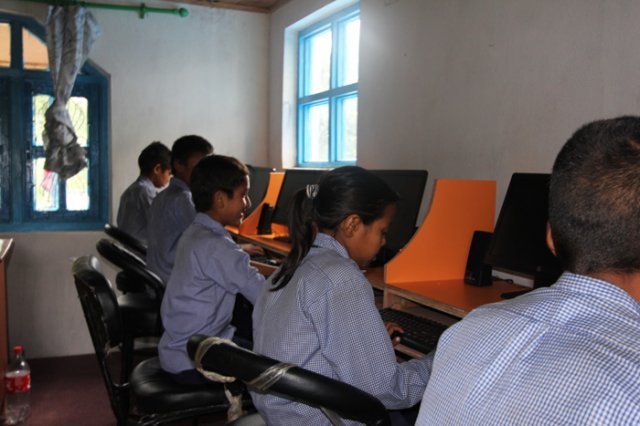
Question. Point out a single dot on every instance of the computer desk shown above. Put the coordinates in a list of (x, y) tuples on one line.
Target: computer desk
[(426, 277)]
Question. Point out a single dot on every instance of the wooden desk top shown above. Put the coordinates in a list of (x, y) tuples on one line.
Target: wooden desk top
[(267, 242), (453, 297), (5, 248)]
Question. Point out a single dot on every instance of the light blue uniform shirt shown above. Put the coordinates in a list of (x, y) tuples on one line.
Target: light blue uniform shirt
[(568, 354), (209, 271), (171, 212), (133, 210), (325, 320)]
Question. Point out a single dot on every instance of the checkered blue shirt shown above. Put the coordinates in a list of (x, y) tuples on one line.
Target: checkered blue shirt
[(209, 271), (563, 355), (171, 212), (325, 320)]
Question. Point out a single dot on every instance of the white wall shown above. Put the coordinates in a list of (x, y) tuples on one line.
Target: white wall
[(204, 74), (470, 89)]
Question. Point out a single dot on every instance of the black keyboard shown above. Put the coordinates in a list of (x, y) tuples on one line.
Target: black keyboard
[(266, 260), (420, 333)]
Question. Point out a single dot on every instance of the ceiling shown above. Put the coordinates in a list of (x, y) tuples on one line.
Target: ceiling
[(260, 6)]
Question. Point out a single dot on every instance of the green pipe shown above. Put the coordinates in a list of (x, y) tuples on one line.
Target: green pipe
[(142, 9)]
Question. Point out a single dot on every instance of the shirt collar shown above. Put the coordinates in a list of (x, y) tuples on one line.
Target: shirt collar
[(146, 181), (328, 242), (206, 221), (603, 290), (179, 183)]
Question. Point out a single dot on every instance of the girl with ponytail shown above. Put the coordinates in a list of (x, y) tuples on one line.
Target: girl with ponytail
[(318, 311)]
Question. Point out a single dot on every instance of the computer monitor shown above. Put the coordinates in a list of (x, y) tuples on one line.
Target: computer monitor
[(409, 184), (294, 179), (259, 178), (519, 239)]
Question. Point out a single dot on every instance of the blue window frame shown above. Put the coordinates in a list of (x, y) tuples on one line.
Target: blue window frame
[(30, 197), (328, 91)]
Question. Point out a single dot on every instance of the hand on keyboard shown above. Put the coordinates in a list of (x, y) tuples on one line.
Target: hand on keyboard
[(395, 332), (419, 334)]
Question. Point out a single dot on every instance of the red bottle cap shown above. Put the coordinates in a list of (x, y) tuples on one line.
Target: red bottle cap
[(17, 349)]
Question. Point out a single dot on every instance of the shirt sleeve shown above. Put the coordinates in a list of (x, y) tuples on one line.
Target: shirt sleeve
[(238, 276), (355, 342)]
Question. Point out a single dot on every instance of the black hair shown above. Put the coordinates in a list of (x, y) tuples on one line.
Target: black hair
[(341, 192), (215, 173), (155, 153), (186, 146), (594, 198)]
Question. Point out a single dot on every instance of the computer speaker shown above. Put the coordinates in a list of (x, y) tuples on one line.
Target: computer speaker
[(477, 272), (264, 224)]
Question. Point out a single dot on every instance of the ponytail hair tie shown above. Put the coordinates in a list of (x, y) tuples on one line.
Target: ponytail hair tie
[(312, 191)]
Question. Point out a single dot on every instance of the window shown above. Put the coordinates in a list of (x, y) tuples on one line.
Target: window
[(32, 198), (328, 91)]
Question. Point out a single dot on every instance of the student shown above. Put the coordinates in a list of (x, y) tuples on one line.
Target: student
[(172, 210), (569, 353), (210, 268), (154, 163), (318, 310)]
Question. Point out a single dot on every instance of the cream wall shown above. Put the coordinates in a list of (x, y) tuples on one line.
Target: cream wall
[(169, 76), (470, 89)]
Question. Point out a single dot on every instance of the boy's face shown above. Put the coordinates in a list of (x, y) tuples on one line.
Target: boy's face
[(160, 176), (231, 211)]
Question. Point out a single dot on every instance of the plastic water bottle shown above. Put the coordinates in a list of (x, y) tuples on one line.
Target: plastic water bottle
[(17, 384)]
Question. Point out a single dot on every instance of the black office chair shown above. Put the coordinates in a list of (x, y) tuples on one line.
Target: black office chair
[(158, 398), (140, 309), (336, 399), (129, 241), (127, 260)]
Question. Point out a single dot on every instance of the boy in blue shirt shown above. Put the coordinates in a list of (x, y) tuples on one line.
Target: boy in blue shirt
[(155, 171), (568, 354), (172, 210), (210, 268)]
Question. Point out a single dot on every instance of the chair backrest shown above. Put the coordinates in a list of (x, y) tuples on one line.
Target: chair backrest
[(132, 264), (131, 242), (100, 308), (308, 387)]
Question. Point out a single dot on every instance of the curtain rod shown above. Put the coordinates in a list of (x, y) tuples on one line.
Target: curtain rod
[(142, 9)]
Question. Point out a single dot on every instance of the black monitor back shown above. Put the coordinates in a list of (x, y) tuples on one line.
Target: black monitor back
[(409, 184), (519, 239), (259, 177), (294, 179)]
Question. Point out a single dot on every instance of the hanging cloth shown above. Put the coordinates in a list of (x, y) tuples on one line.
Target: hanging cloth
[(71, 31)]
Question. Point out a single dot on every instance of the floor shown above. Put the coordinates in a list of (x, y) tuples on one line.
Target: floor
[(69, 391)]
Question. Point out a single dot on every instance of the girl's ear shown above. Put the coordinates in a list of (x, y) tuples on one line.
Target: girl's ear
[(350, 225)]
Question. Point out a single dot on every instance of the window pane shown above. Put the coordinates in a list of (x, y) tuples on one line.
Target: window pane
[(347, 128), (319, 65), (78, 108), (45, 188), (34, 51), (316, 122), (351, 50), (5, 45), (40, 105), (78, 191)]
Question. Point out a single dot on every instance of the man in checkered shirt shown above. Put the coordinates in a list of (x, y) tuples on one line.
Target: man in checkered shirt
[(570, 353)]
